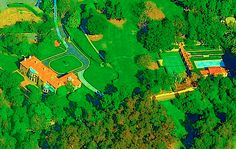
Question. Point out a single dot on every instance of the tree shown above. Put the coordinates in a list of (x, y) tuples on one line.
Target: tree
[(160, 36), (96, 24), (62, 91), (143, 60), (74, 19), (233, 50)]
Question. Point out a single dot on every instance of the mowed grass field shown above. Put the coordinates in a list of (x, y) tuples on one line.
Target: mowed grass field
[(178, 117), (173, 62), (11, 16), (100, 76), (29, 2), (121, 46), (65, 64), (3, 5)]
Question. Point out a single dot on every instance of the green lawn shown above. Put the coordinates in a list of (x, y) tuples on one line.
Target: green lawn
[(99, 76), (3, 5), (8, 63), (30, 2), (121, 47), (65, 64), (170, 10), (79, 38), (177, 116), (47, 48), (173, 62), (206, 53)]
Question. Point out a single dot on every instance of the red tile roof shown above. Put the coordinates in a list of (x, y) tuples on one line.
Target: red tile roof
[(70, 77), (57, 43), (185, 56), (217, 70), (214, 71), (48, 75), (204, 72)]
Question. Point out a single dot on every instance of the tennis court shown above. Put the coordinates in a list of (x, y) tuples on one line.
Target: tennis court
[(173, 62)]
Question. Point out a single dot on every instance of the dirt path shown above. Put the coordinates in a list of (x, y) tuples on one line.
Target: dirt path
[(171, 95)]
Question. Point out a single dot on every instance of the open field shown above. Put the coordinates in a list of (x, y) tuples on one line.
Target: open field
[(11, 16), (47, 48), (121, 47), (99, 76), (29, 2), (173, 62), (153, 12), (177, 116), (79, 38), (118, 23), (206, 53), (65, 64), (3, 5), (169, 9)]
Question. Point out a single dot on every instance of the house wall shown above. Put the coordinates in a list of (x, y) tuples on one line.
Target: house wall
[(23, 70)]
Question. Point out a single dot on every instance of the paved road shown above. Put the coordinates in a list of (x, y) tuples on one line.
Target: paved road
[(71, 49)]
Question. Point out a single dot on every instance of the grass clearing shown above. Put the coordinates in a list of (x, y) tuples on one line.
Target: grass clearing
[(177, 116), (3, 5), (8, 62), (47, 48), (121, 48), (95, 37), (65, 64), (153, 12), (82, 42), (11, 16), (117, 23), (173, 62), (99, 76), (170, 10), (29, 2)]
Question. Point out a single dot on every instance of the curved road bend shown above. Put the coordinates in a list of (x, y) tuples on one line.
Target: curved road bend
[(72, 49)]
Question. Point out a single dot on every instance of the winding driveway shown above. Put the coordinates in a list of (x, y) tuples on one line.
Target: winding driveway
[(71, 49)]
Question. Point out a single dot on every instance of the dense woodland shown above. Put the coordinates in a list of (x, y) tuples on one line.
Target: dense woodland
[(121, 119), (86, 120), (200, 21)]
